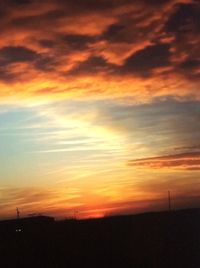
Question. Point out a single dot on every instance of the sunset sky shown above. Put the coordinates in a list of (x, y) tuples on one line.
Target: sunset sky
[(99, 106)]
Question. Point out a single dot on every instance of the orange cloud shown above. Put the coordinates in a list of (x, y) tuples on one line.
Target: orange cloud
[(62, 49)]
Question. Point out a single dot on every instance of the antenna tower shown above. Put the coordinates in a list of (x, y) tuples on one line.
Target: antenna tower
[(18, 213)]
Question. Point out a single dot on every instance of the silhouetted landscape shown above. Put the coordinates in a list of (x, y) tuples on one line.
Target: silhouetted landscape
[(100, 116), (160, 239)]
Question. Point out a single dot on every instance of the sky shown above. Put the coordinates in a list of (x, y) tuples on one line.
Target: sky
[(99, 106)]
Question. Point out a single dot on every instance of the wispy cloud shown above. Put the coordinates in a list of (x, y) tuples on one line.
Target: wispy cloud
[(183, 161)]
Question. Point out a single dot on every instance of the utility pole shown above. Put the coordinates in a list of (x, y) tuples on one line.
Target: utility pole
[(169, 200), (18, 213)]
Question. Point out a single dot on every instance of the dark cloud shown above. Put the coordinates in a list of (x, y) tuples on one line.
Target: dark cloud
[(20, 2), (77, 41), (190, 64), (39, 20), (91, 66), (186, 161), (115, 33), (90, 5), (184, 19), (47, 43), (17, 54), (110, 4), (45, 63), (184, 25), (157, 2), (145, 60), (189, 68), (14, 55)]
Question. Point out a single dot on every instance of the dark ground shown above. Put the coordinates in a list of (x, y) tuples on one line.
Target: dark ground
[(158, 240)]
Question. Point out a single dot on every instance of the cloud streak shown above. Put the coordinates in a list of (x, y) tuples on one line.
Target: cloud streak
[(183, 161)]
